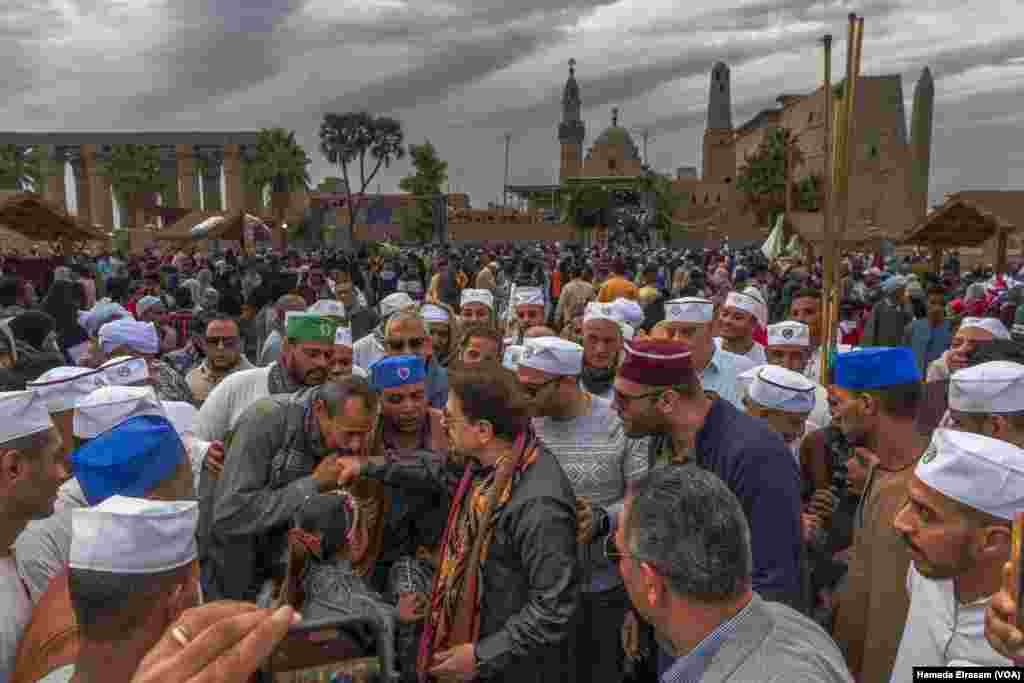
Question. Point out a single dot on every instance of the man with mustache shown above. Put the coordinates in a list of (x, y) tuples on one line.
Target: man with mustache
[(876, 394), (957, 524), (284, 450)]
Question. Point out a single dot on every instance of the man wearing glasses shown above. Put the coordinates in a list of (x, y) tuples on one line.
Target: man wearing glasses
[(406, 333), (223, 344)]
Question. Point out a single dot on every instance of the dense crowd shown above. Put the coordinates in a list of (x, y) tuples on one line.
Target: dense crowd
[(539, 462)]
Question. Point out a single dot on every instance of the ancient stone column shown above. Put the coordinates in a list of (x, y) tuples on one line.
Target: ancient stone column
[(186, 162), (79, 170), (54, 190), (234, 199), (98, 187), (211, 178)]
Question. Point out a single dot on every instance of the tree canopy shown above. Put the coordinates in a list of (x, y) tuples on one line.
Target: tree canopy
[(24, 167), (427, 180), (278, 161), (762, 179)]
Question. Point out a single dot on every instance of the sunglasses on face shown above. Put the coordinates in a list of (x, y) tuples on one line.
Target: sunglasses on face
[(222, 342), (414, 344)]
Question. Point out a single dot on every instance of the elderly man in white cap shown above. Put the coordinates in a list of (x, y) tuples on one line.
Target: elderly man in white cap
[(126, 337), (957, 523), (971, 332), (689, 320), (442, 326), (31, 468), (527, 308), (131, 577), (783, 398), (371, 348), (586, 436), (789, 346), (602, 345), (988, 399), (477, 305), (342, 365), (738, 317)]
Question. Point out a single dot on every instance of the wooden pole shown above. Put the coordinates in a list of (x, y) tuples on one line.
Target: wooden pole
[(827, 246)]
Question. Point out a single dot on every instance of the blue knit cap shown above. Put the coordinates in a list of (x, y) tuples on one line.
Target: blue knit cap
[(397, 371)]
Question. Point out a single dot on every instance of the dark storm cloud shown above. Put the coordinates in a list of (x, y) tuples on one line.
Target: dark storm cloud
[(767, 13), (956, 61)]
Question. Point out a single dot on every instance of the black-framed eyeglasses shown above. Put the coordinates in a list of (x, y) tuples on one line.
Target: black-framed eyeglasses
[(534, 389), (414, 344)]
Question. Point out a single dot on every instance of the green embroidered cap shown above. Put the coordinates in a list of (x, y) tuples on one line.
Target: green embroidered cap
[(310, 327)]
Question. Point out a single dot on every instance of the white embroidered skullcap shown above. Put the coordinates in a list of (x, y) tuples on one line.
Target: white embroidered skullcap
[(746, 378), (990, 388), (629, 311), (477, 296), (433, 313), (134, 536), (343, 337), (107, 407), (980, 472), (529, 296), (61, 388), (789, 333), (598, 311), (553, 355), (777, 388), (690, 309), (138, 336), (22, 413), (748, 303), (126, 370), (328, 307), (395, 302), (993, 326)]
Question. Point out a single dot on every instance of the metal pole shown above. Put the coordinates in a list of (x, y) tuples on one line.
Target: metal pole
[(508, 141)]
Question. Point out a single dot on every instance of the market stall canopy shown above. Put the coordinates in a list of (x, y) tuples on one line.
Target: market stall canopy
[(28, 214), (215, 225), (969, 219)]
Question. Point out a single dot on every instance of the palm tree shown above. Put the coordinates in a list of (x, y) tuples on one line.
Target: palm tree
[(345, 138), (280, 162), (24, 167), (135, 173), (662, 204), (584, 205)]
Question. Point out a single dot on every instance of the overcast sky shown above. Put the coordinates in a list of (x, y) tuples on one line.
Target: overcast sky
[(465, 72)]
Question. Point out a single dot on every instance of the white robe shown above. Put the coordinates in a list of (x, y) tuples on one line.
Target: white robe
[(16, 609)]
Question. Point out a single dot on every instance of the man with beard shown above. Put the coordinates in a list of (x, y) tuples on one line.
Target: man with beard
[(441, 325), (658, 394), (285, 449), (477, 305), (527, 311), (371, 348), (307, 356), (406, 332), (741, 313), (508, 578), (223, 344), (958, 525), (32, 466), (586, 436), (480, 343), (876, 396), (602, 344), (689, 321), (806, 308)]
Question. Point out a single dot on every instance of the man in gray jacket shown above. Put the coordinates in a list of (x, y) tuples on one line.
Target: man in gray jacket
[(683, 549)]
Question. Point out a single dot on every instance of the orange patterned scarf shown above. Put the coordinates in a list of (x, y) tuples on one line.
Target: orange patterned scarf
[(455, 601)]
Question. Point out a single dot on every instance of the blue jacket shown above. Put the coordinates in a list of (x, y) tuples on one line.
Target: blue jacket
[(928, 342), (437, 385)]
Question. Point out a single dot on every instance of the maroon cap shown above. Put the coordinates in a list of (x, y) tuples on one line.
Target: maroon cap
[(657, 363)]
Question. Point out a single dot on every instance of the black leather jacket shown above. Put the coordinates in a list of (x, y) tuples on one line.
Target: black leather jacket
[(531, 577)]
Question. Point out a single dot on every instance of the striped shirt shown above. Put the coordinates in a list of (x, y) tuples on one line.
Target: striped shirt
[(690, 668), (599, 460)]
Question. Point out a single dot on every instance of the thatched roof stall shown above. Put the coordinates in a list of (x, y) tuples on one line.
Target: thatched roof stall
[(215, 225), (970, 219), (29, 215)]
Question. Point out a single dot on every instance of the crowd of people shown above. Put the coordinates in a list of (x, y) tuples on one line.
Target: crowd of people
[(520, 462)]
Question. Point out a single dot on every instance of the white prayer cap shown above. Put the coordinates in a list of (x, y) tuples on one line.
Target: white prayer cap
[(394, 302), (529, 296), (328, 307), (138, 336), (629, 311), (789, 333), (993, 326), (748, 304), (343, 337), (61, 388), (510, 359), (777, 388), (746, 378), (690, 309), (989, 388), (134, 536), (477, 296), (433, 313), (596, 311), (126, 370), (553, 355), (22, 413), (107, 407), (980, 472)]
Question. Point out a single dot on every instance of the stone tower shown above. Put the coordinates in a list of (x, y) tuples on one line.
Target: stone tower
[(571, 129), (921, 140), (719, 154)]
